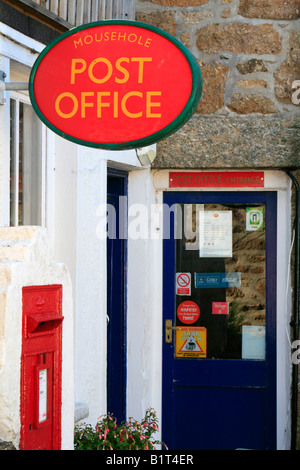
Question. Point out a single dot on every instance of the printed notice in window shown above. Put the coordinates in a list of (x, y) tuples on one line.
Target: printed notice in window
[(215, 233), (253, 342)]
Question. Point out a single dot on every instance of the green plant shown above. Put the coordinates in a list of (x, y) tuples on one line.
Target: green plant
[(235, 319), (107, 435)]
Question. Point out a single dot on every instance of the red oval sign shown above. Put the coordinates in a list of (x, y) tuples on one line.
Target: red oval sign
[(115, 85), (188, 312)]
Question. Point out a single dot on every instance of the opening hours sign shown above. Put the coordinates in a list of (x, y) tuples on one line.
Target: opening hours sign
[(115, 85)]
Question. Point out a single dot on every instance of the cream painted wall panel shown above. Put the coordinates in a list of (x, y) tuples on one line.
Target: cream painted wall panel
[(90, 357)]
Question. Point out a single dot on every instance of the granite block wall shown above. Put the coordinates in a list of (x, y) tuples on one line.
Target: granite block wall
[(249, 54)]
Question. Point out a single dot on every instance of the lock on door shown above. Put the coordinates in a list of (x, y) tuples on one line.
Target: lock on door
[(168, 331)]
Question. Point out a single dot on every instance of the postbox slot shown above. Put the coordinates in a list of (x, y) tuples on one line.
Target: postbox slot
[(42, 322)]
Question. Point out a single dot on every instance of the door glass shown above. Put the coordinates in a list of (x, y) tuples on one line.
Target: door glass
[(220, 281)]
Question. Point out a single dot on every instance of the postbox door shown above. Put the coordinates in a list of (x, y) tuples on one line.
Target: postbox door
[(37, 407)]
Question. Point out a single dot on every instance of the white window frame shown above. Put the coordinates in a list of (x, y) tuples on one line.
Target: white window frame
[(19, 48), (22, 98)]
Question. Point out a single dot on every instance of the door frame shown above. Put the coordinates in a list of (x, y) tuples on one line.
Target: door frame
[(170, 198), (122, 175)]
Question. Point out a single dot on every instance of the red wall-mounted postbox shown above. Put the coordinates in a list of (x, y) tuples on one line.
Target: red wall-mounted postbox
[(41, 368)]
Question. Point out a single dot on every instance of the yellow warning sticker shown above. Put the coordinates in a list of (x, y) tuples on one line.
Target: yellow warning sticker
[(191, 342)]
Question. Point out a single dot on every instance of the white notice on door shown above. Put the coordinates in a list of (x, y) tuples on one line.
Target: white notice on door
[(253, 342), (42, 395), (215, 232)]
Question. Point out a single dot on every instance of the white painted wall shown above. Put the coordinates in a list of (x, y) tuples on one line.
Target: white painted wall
[(284, 349), (61, 197), (90, 356), (144, 316)]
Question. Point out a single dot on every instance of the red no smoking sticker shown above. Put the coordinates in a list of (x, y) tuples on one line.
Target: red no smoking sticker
[(183, 283), (188, 312)]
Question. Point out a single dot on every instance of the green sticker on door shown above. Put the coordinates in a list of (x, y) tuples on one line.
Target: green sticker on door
[(254, 218)]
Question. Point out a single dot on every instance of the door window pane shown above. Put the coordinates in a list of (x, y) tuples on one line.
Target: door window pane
[(222, 248)]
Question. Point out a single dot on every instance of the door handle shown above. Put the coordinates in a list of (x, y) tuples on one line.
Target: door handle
[(168, 331)]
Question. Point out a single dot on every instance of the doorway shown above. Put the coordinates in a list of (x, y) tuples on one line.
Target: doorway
[(116, 293), (219, 320)]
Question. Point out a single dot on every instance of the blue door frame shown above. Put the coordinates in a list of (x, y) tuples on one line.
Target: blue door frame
[(116, 294), (217, 403)]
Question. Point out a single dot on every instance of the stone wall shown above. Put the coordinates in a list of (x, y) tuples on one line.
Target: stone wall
[(249, 54)]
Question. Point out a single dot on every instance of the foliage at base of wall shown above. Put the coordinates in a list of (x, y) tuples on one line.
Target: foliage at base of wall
[(107, 435)]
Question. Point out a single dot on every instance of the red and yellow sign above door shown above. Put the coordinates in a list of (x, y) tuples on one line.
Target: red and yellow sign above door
[(115, 85)]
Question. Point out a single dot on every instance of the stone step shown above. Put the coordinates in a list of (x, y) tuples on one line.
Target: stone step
[(16, 234), (14, 252), (14, 243)]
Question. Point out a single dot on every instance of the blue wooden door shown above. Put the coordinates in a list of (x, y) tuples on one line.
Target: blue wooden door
[(219, 296), (116, 295)]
